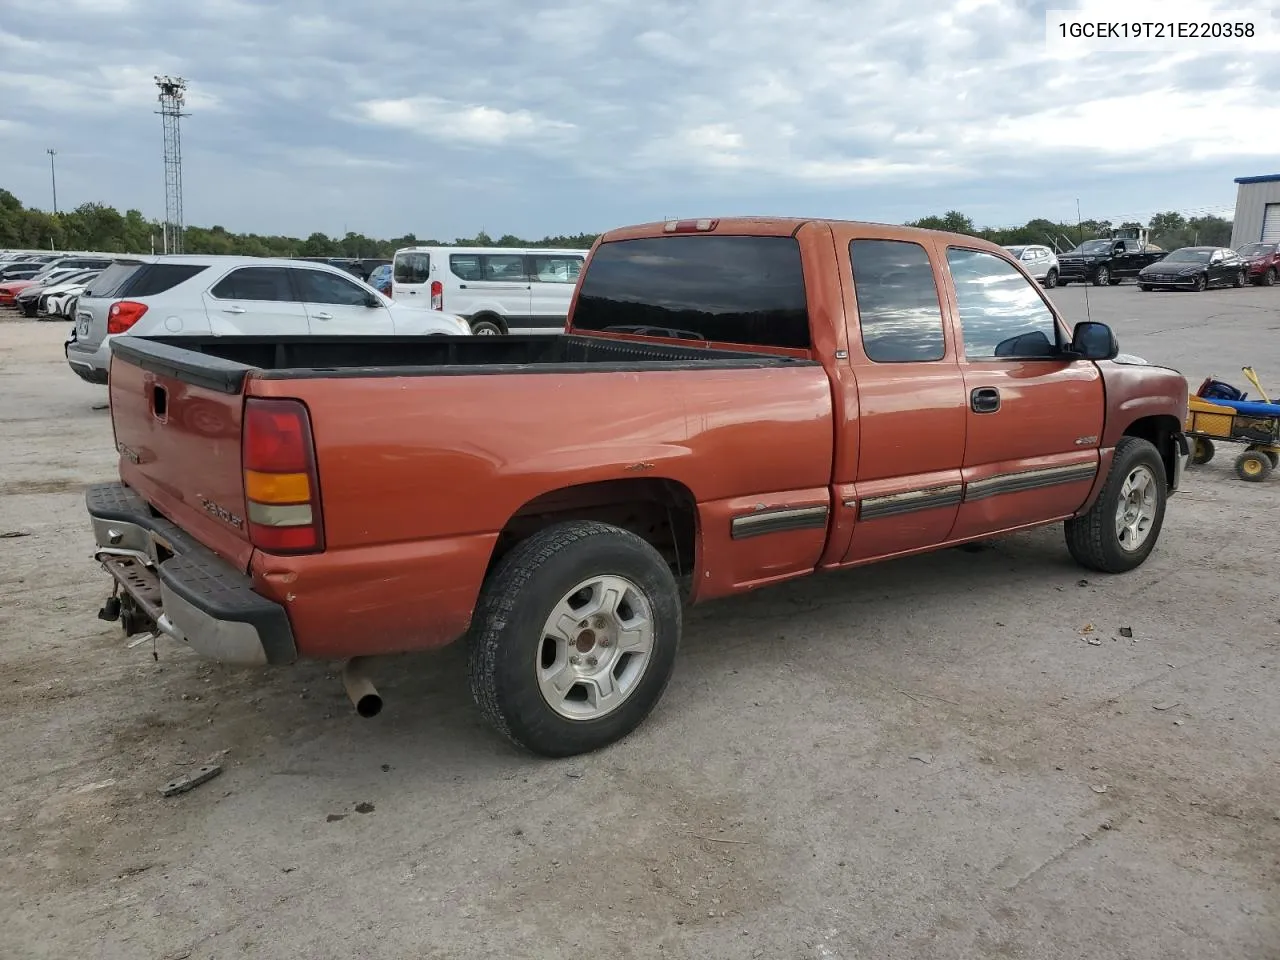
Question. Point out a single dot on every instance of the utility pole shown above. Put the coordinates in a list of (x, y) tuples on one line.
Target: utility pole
[(53, 176)]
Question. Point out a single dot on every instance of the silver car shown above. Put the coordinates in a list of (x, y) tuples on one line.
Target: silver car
[(1039, 261), (183, 295)]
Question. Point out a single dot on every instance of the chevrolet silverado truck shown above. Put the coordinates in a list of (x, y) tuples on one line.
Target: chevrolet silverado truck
[(1108, 261), (735, 403)]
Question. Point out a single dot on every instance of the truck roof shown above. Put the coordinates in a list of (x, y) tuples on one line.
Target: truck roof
[(785, 227)]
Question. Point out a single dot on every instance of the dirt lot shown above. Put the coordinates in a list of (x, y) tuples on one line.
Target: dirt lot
[(922, 759)]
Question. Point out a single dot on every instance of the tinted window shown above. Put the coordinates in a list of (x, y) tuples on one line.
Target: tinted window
[(112, 278), (157, 278), (412, 267), (555, 269), (254, 283), (316, 286), (1001, 313), (465, 266), (747, 290), (502, 267), (898, 307)]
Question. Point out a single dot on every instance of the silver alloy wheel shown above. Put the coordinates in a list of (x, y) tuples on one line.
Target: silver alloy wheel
[(1136, 511), (596, 646), (486, 332)]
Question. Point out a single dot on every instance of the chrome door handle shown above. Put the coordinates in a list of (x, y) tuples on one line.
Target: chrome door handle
[(233, 309), (323, 316)]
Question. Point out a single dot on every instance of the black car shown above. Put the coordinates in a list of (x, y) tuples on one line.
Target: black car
[(1195, 268)]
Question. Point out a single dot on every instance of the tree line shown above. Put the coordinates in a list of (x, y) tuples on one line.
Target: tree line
[(1168, 230), (95, 226)]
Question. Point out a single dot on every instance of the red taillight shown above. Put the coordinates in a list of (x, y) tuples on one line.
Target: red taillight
[(123, 315), (437, 295), (689, 226), (281, 486)]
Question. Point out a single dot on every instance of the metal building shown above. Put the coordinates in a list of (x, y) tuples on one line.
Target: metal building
[(1257, 216)]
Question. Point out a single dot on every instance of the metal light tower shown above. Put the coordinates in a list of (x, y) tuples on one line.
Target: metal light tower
[(173, 97), (53, 176)]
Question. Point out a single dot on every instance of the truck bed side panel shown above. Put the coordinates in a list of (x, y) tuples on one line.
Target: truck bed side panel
[(419, 474)]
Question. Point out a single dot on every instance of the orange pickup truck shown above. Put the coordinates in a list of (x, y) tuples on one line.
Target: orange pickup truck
[(734, 403)]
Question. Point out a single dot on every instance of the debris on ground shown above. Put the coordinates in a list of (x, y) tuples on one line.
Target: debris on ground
[(1167, 705), (335, 817), (14, 534), (191, 781), (1087, 628), (922, 757), (1092, 641), (364, 808), (1126, 632), (1102, 788), (1082, 583)]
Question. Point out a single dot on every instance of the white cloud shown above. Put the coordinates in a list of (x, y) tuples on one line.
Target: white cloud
[(440, 119)]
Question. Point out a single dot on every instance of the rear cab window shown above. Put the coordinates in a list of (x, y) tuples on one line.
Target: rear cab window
[(739, 290), (899, 310)]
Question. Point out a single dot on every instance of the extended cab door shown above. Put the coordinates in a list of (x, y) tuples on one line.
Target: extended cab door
[(1034, 417), (911, 397), (337, 305), (255, 300)]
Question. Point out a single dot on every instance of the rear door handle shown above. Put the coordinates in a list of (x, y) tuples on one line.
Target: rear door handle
[(984, 400), (233, 309), (323, 316)]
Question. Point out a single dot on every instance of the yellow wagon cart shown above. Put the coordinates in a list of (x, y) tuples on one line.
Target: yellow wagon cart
[(1218, 411)]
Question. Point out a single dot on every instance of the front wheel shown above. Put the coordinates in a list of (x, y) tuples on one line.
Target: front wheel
[(1201, 282), (1269, 278), (1103, 276), (1254, 466), (1120, 530), (575, 638), (485, 327), (1238, 279), (1051, 279)]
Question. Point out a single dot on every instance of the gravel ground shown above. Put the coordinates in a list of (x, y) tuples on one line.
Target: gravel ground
[(921, 759)]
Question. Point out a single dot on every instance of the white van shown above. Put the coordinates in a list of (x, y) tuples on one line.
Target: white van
[(496, 290)]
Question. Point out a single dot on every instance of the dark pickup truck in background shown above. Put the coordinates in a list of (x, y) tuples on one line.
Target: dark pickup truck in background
[(1107, 261)]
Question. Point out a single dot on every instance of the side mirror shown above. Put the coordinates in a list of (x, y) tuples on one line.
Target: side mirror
[(372, 302), (1094, 341)]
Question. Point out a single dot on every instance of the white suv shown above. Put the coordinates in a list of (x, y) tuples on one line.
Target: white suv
[(497, 290), (1039, 261), (174, 295)]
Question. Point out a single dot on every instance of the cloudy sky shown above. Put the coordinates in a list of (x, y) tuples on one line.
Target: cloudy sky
[(539, 117)]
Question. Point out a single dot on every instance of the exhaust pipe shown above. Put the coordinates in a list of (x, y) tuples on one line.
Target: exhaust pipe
[(361, 692)]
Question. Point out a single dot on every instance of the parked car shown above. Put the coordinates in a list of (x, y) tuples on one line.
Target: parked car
[(52, 302), (1196, 268), (497, 290), (1263, 260), (28, 299), (1039, 261), (712, 422), (19, 270), (178, 294), (1107, 261), (380, 279)]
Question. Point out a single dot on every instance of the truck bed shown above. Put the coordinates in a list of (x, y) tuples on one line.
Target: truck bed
[(221, 363)]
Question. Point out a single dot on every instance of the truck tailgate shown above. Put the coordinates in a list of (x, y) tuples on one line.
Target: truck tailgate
[(179, 446)]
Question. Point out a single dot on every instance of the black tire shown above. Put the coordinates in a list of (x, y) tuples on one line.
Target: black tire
[(1114, 281), (1239, 279), (516, 600), (1051, 279), (1269, 278), (1092, 538), (1254, 466), (1201, 284), (1202, 450), (486, 326), (1102, 276), (1144, 287), (1062, 283)]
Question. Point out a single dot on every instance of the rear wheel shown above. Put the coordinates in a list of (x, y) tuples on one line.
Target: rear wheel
[(1202, 450), (1103, 276), (486, 326), (1201, 282), (1269, 278), (1238, 279), (575, 638), (1120, 530), (1269, 454), (1254, 466), (1051, 278)]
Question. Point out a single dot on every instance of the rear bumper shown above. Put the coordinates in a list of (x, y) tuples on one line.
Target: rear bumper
[(89, 364), (193, 594)]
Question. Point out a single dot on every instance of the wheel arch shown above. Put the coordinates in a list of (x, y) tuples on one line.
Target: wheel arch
[(661, 510), (492, 316), (1159, 429)]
